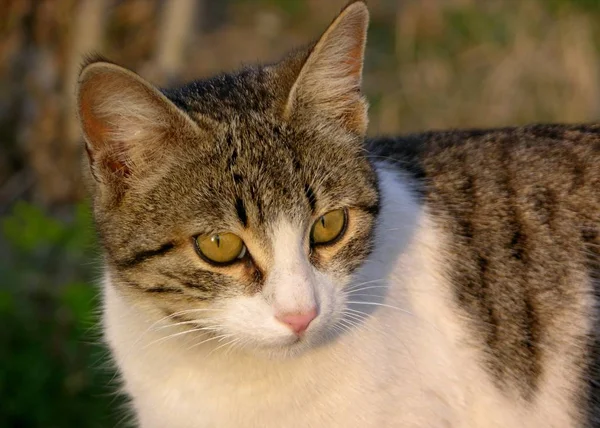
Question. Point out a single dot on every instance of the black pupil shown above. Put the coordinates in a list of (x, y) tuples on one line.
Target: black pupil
[(217, 240), (323, 221)]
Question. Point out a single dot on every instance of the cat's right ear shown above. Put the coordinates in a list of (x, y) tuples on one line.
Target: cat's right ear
[(329, 83), (127, 123)]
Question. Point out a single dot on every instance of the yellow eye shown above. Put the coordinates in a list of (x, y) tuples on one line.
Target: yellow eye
[(221, 248), (328, 227)]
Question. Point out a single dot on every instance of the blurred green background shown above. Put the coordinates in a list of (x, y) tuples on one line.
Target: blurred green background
[(430, 64)]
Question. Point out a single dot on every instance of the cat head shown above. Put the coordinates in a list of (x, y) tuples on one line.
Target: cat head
[(241, 204)]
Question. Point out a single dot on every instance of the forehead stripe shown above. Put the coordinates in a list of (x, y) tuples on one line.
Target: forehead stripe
[(310, 195), (241, 211)]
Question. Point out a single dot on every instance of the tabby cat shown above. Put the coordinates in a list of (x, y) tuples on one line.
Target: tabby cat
[(266, 265)]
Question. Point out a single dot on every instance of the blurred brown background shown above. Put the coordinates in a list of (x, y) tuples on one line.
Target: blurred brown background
[(430, 64)]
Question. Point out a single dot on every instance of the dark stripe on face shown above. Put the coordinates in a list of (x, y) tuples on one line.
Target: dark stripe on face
[(145, 255), (179, 318), (241, 211), (256, 198), (310, 195), (154, 289), (188, 280), (233, 158), (196, 286), (162, 289), (370, 209)]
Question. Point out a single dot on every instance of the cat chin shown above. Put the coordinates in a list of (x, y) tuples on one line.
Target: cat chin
[(288, 347), (285, 352)]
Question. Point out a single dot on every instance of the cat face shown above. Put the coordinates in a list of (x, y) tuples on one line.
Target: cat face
[(240, 205)]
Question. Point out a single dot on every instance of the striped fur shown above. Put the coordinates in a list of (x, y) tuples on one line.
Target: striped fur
[(463, 291), (521, 208)]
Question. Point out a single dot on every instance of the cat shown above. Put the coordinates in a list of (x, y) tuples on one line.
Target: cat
[(267, 265)]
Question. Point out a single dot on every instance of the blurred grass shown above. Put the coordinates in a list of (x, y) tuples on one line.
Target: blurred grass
[(430, 64), (53, 370)]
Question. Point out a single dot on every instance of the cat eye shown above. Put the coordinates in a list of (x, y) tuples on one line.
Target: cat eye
[(220, 248), (329, 227)]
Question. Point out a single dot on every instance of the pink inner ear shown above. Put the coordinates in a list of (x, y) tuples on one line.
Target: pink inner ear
[(98, 133), (94, 128), (355, 62), (355, 55)]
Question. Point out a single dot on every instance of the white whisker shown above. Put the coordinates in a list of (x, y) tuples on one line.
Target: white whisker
[(175, 325), (376, 296), (151, 327), (392, 307), (219, 337), (351, 292), (353, 286), (171, 336), (383, 305), (232, 345), (222, 345)]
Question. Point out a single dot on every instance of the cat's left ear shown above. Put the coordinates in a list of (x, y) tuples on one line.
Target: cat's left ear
[(329, 82)]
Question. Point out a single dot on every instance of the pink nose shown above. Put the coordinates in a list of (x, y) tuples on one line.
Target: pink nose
[(298, 322)]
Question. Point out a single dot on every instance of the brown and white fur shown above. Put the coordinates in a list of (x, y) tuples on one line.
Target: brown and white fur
[(463, 292)]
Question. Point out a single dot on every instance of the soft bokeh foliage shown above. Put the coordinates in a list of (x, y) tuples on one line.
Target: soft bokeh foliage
[(430, 64)]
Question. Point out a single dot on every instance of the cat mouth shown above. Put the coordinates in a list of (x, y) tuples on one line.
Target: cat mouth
[(295, 340), (292, 342)]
